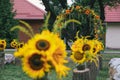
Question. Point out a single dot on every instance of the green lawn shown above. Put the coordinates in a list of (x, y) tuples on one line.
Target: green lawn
[(14, 72), (103, 74)]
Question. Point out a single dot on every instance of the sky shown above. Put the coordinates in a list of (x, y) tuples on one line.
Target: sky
[(37, 3)]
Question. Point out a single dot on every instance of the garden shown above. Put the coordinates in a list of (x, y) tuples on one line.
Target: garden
[(70, 48), (14, 72)]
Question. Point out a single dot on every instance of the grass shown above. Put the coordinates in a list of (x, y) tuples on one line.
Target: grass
[(14, 72), (103, 73)]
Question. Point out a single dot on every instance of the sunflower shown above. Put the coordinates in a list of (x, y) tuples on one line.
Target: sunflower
[(42, 42), (82, 45), (98, 46), (87, 46), (22, 51), (20, 45), (14, 44), (35, 64), (2, 44), (57, 58), (77, 45), (78, 57)]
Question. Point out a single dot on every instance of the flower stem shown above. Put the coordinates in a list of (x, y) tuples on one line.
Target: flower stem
[(43, 78)]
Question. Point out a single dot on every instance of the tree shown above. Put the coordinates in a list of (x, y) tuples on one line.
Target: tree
[(7, 21), (99, 5), (54, 7)]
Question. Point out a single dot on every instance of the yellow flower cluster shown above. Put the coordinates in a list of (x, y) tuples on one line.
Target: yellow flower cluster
[(2, 44), (15, 44), (85, 50), (43, 52)]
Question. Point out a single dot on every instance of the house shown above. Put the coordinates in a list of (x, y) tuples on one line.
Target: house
[(113, 27), (29, 13)]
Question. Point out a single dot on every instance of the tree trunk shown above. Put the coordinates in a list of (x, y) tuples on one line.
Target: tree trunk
[(102, 14), (52, 13)]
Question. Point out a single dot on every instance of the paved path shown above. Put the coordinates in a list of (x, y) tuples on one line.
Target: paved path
[(111, 51), (10, 50), (106, 51)]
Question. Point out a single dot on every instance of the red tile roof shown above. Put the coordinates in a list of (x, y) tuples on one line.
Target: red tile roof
[(26, 10), (112, 14)]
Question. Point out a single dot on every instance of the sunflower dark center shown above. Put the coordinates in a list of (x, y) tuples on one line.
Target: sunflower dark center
[(86, 47), (35, 62), (2, 41), (21, 45), (13, 44), (94, 50), (1, 46), (43, 45), (78, 56)]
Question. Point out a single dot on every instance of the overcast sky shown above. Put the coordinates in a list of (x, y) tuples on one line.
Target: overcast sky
[(37, 3)]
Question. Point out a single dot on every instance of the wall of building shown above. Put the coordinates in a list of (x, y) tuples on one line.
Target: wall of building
[(36, 24), (113, 35)]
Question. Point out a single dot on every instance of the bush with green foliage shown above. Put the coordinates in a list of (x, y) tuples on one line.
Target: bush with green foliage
[(7, 21)]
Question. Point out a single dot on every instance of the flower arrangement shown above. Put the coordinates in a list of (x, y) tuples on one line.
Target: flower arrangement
[(44, 51), (91, 25), (86, 50), (16, 45), (2, 44)]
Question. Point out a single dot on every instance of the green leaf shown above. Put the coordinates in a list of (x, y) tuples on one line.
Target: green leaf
[(22, 29)]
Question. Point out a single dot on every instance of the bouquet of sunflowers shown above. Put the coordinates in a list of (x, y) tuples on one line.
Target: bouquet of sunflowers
[(44, 51), (16, 45), (85, 50)]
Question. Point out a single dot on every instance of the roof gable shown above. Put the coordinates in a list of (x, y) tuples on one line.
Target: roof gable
[(26, 10), (112, 14)]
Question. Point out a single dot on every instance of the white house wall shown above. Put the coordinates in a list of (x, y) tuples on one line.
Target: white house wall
[(113, 35)]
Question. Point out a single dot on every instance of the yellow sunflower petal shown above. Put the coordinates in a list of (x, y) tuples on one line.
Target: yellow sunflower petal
[(35, 65), (62, 71)]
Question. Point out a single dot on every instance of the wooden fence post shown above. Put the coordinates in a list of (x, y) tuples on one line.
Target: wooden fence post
[(93, 70), (81, 74)]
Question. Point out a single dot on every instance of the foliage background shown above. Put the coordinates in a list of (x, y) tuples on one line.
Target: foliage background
[(7, 21)]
